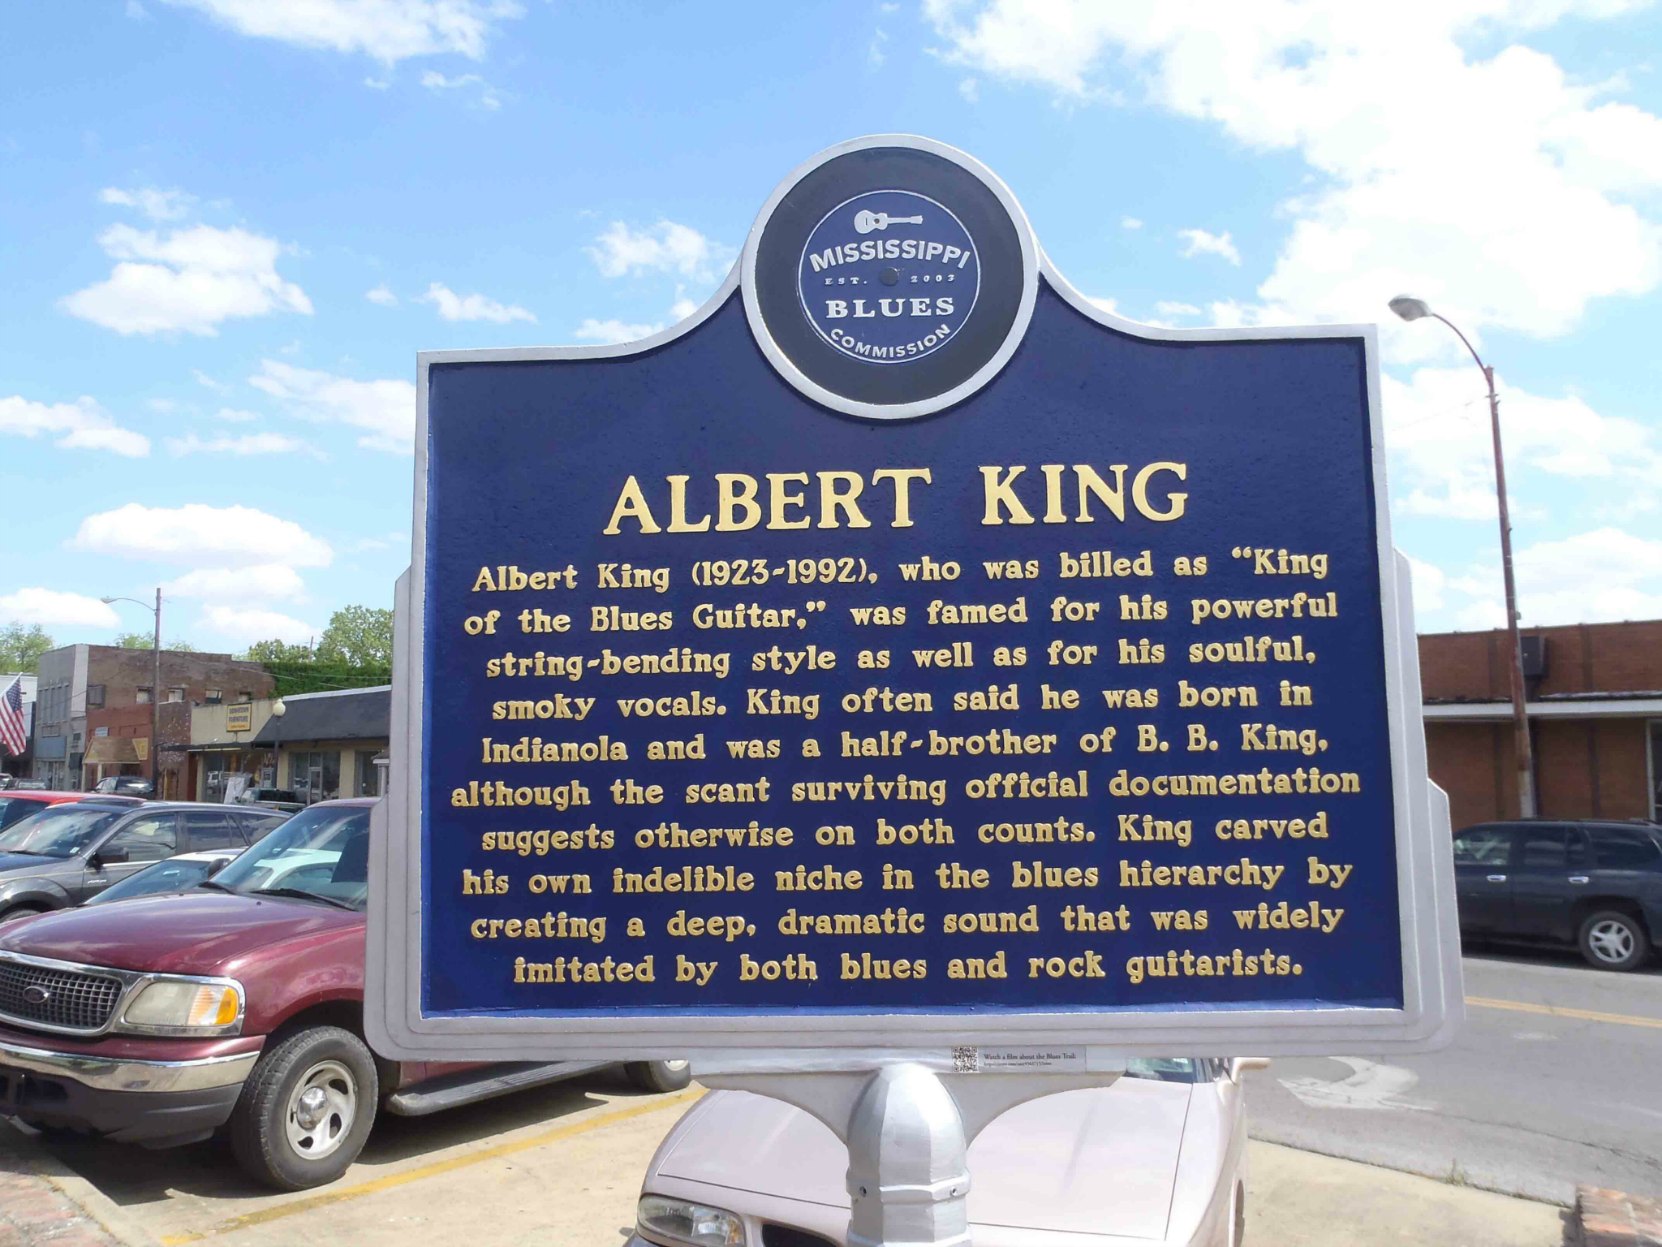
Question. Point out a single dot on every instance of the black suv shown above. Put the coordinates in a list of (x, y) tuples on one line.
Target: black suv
[(70, 852), (1596, 885)]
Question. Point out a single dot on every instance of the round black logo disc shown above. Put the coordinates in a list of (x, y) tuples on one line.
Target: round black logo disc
[(890, 277)]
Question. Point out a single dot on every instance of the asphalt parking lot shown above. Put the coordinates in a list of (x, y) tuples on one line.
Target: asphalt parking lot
[(563, 1164), (560, 1164)]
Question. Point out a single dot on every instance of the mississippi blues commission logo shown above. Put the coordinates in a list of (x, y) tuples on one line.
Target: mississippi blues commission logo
[(889, 276)]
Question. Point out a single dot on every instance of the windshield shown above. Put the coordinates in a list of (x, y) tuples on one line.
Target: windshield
[(170, 876), (321, 852), (1164, 1068), (61, 831)]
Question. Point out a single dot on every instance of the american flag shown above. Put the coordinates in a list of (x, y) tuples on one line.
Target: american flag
[(11, 718)]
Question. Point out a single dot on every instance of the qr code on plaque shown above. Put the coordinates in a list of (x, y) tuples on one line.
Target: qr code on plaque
[(966, 1060)]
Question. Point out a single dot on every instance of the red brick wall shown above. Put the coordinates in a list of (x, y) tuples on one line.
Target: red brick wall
[(1581, 658)]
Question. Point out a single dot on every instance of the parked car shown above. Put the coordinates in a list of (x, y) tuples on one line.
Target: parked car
[(17, 805), (236, 1007), (1156, 1158), (67, 853), (272, 799), (176, 874), (125, 785), (1591, 884)]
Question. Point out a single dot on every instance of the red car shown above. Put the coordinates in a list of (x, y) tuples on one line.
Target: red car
[(235, 1007)]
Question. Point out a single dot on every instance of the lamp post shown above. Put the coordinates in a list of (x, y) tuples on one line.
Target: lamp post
[(1414, 309), (155, 689)]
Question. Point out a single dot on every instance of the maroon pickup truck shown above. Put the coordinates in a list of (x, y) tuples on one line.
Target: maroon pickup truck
[(237, 1007)]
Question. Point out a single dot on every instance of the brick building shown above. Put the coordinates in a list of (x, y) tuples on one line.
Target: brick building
[(1594, 701), (92, 713)]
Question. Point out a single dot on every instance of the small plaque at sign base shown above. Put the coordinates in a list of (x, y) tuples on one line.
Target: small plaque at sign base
[(904, 653)]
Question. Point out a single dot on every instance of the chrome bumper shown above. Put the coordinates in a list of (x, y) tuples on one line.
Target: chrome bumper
[(103, 1074)]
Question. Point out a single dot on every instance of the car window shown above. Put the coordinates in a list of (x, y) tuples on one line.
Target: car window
[(329, 842), (1549, 848), (58, 830), (14, 809), (213, 829), (261, 825), (147, 838), (1616, 848), (1483, 846), (163, 877)]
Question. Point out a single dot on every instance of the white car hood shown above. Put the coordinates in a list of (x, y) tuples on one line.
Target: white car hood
[(1095, 1162)]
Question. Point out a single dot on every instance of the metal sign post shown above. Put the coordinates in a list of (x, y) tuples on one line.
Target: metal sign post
[(904, 655), (907, 1125)]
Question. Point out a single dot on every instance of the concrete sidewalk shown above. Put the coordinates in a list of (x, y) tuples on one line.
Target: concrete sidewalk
[(1300, 1199)]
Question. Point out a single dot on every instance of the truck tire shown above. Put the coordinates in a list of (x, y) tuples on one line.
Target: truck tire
[(1612, 940), (659, 1076), (306, 1109), (22, 911)]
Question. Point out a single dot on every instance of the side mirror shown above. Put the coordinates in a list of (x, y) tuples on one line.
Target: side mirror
[(109, 855), (1241, 1064)]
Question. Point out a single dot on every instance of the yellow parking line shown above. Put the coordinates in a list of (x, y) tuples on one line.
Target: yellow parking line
[(1586, 1015), (448, 1165)]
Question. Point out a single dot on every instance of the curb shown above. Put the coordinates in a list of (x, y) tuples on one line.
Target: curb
[(42, 1182), (1608, 1218)]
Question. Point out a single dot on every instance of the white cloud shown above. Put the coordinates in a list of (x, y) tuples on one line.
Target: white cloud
[(244, 625), (388, 30), (453, 306), (666, 247), (201, 535), (189, 280), (81, 425), (1441, 450), (50, 606), (261, 582), (970, 89), (1131, 222), (1168, 308), (382, 295), (1106, 304), (1200, 242), (604, 331), (487, 99), (875, 56), (203, 379), (1488, 182), (245, 444), (1430, 584), (385, 409), (235, 415), (158, 205), (1598, 576)]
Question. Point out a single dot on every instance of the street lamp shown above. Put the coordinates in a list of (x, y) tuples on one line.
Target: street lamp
[(155, 689), (1414, 309)]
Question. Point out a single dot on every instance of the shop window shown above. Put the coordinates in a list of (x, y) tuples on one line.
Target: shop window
[(142, 695), (95, 696), (176, 694), (213, 696)]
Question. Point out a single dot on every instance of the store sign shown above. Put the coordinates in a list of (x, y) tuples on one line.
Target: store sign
[(902, 651), (239, 717)]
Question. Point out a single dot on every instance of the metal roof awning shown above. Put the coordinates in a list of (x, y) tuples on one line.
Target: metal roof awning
[(1594, 706), (116, 750), (351, 714)]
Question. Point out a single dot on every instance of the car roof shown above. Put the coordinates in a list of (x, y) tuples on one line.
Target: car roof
[(47, 796), (357, 801), (1626, 824)]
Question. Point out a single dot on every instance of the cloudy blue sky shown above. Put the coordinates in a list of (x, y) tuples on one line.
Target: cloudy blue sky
[(228, 225)]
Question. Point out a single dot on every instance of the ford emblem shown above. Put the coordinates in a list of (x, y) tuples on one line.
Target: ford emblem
[(35, 994)]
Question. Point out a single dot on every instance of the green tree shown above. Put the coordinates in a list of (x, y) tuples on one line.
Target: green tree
[(358, 635), (277, 651), (145, 640), (21, 648)]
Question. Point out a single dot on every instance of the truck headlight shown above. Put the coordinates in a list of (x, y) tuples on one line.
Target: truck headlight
[(185, 1007), (682, 1221)]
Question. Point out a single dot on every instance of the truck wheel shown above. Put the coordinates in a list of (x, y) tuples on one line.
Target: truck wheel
[(659, 1075), (1612, 940), (306, 1109), (22, 911)]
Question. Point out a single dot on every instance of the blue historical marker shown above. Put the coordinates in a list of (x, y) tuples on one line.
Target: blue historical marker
[(903, 652)]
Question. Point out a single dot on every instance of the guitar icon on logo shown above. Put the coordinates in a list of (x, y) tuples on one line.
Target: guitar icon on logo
[(865, 222)]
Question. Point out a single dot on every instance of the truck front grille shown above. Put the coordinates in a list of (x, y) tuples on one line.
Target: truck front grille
[(64, 999)]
